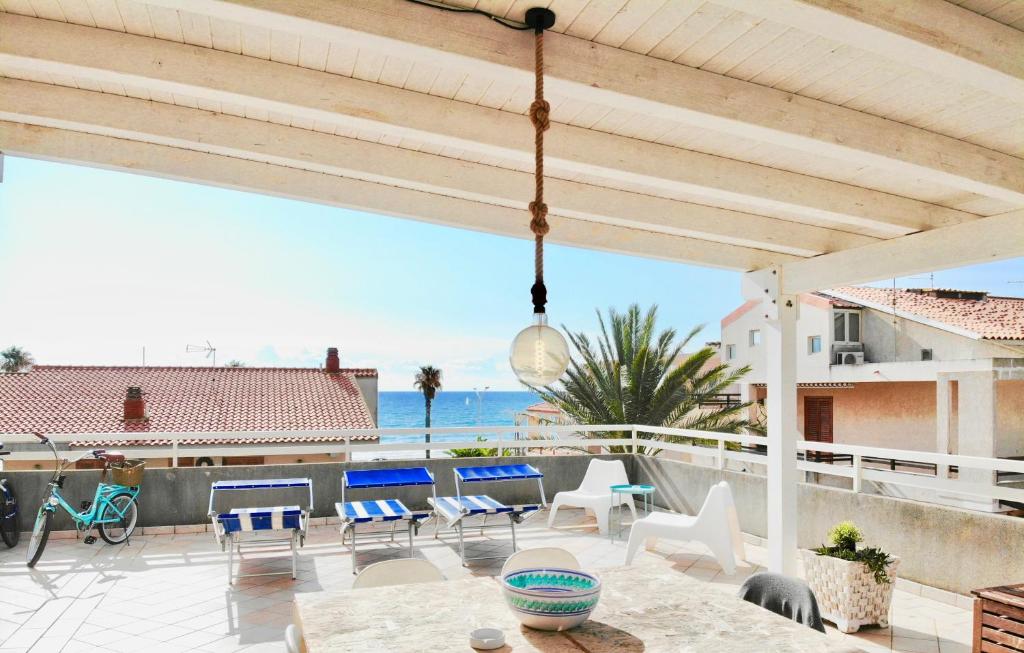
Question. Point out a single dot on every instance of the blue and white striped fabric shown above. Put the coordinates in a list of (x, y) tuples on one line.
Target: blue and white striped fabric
[(452, 507), (360, 512), (277, 518)]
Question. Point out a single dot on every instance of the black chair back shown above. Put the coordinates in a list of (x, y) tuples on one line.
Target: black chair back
[(785, 596)]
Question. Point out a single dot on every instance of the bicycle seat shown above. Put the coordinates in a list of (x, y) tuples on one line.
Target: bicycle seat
[(109, 456)]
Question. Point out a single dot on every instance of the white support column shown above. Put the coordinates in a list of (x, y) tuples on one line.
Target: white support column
[(780, 353), (976, 414)]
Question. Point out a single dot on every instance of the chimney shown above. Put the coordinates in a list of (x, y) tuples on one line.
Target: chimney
[(134, 404), (333, 364)]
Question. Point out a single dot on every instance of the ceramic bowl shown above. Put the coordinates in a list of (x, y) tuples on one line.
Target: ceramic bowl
[(551, 598)]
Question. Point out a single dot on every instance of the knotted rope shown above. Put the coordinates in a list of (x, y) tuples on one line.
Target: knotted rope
[(539, 116)]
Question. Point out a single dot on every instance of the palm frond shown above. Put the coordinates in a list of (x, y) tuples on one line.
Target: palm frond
[(632, 373)]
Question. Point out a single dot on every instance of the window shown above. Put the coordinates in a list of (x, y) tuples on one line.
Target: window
[(926, 354), (755, 337), (847, 326), (730, 352), (813, 344)]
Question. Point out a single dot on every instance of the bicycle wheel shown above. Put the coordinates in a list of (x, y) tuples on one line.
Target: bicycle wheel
[(118, 531), (40, 534), (9, 517)]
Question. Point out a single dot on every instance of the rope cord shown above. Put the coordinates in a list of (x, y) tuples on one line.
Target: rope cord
[(539, 116), (537, 19)]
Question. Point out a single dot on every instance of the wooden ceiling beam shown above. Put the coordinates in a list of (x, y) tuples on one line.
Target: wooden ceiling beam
[(612, 77), (135, 119), (146, 63), (985, 240), (48, 143)]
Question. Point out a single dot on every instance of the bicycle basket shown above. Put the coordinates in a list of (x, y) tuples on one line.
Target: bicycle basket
[(128, 473)]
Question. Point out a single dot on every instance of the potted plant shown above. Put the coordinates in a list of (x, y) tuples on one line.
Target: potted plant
[(853, 585)]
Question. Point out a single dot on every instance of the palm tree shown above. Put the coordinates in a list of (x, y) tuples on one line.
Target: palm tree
[(428, 381), (636, 376), (15, 359), (234, 363)]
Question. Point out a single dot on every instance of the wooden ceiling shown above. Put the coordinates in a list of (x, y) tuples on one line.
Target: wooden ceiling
[(846, 142)]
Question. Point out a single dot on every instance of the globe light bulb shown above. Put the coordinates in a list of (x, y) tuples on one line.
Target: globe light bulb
[(539, 354)]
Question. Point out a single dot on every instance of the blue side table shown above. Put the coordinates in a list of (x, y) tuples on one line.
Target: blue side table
[(646, 491)]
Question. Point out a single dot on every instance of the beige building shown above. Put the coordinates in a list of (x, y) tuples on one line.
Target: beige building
[(927, 370)]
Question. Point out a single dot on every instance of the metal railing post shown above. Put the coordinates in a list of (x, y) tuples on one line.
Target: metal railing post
[(501, 447), (348, 448), (856, 472), (634, 438), (174, 453), (721, 453)]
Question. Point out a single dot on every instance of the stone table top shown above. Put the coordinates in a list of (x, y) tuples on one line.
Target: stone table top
[(641, 609)]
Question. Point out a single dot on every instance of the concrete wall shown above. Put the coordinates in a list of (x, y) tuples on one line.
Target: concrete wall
[(949, 548), (181, 496), (1009, 419)]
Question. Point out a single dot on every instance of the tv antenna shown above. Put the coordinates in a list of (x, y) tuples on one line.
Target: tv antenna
[(930, 278), (211, 351)]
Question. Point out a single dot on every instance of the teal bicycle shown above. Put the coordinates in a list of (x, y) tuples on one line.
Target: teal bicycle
[(114, 509)]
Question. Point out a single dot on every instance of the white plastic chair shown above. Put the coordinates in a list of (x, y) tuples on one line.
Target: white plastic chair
[(594, 492), (292, 639), (546, 556), (716, 525), (403, 571)]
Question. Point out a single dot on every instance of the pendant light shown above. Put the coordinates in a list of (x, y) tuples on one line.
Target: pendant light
[(539, 354)]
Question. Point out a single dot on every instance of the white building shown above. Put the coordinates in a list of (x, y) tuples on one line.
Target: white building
[(927, 370)]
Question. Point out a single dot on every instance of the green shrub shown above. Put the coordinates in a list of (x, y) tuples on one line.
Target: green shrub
[(478, 452), (845, 535)]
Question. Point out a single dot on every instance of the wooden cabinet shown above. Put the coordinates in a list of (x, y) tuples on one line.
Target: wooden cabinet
[(999, 619)]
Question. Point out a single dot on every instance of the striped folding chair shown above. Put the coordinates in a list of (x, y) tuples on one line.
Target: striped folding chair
[(371, 511), (254, 527), (458, 509)]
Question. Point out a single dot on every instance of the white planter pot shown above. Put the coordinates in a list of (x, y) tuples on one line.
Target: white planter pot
[(847, 593)]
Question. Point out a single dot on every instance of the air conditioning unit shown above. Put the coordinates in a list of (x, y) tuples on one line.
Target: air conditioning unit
[(850, 358)]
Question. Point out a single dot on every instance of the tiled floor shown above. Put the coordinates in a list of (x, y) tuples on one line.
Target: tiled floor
[(169, 592)]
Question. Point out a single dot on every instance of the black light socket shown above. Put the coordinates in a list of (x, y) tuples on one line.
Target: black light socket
[(540, 18)]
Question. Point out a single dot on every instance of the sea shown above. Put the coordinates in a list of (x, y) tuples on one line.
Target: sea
[(449, 408)]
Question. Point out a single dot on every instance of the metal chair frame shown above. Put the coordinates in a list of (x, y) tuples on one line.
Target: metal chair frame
[(348, 527), (233, 542), (514, 517)]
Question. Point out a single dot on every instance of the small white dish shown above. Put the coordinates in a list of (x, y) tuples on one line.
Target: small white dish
[(486, 639)]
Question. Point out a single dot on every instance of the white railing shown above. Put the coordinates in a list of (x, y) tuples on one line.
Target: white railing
[(634, 438), (350, 442)]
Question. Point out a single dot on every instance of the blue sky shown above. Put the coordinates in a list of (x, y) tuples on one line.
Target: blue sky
[(95, 265)]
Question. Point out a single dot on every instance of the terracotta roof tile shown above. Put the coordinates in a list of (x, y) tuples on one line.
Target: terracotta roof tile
[(993, 318), (89, 399)]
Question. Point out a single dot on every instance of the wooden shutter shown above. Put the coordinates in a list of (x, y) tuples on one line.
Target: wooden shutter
[(818, 425)]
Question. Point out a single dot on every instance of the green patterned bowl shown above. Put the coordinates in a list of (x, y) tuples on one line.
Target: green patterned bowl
[(551, 598)]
